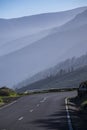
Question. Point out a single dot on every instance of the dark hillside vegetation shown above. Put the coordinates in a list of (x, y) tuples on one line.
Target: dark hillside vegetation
[(63, 67), (70, 79), (7, 95)]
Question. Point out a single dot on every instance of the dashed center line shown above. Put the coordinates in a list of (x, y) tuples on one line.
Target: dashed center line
[(21, 118), (31, 110), (43, 100), (38, 105)]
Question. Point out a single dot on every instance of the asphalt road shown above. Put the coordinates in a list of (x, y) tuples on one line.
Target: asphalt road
[(36, 112)]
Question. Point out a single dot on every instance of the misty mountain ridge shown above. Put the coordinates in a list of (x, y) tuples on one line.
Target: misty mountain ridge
[(70, 79), (17, 28), (44, 51), (78, 21), (65, 66)]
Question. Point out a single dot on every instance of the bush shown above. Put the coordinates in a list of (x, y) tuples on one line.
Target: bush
[(4, 91), (1, 100)]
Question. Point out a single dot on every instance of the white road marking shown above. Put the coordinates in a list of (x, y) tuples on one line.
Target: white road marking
[(21, 118), (8, 105), (43, 100), (38, 105), (31, 110), (68, 115)]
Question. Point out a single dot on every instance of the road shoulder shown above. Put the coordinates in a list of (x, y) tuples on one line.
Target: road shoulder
[(78, 117)]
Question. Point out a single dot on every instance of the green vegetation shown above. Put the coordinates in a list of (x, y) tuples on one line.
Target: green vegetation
[(4, 91), (7, 95), (1, 101), (84, 103)]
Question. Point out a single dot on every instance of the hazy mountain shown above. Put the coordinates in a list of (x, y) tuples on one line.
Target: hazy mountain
[(79, 20), (22, 42), (67, 66), (14, 31), (44, 53), (68, 80), (36, 22)]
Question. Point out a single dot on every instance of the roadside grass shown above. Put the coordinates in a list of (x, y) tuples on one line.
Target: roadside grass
[(7, 99), (1, 101), (84, 105), (80, 103), (8, 95)]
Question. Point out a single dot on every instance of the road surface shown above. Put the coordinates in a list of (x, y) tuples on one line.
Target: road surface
[(36, 112)]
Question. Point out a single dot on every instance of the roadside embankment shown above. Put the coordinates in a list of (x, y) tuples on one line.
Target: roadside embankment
[(78, 112)]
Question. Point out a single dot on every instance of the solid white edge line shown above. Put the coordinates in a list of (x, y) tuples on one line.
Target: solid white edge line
[(68, 115), (8, 105)]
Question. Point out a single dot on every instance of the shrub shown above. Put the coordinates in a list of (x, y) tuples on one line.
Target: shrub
[(4, 91), (1, 100)]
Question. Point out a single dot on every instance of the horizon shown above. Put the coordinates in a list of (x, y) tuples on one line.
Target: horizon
[(14, 9), (44, 13)]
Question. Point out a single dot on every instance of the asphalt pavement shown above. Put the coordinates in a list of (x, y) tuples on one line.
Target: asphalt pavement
[(36, 112)]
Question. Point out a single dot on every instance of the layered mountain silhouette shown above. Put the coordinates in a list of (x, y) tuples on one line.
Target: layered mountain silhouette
[(63, 69), (51, 39)]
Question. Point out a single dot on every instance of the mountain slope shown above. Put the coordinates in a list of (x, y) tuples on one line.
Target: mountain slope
[(67, 80), (22, 42), (67, 65), (42, 54), (79, 20), (38, 56), (18, 28), (37, 22)]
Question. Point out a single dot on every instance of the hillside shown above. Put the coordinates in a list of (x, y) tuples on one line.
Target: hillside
[(31, 24), (17, 33), (44, 52), (67, 65), (67, 80)]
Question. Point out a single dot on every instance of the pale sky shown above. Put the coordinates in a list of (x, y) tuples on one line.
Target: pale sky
[(19, 8)]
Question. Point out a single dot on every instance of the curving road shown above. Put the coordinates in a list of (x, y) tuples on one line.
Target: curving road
[(36, 112)]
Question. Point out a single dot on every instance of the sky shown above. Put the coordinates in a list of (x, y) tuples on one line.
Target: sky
[(19, 8)]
